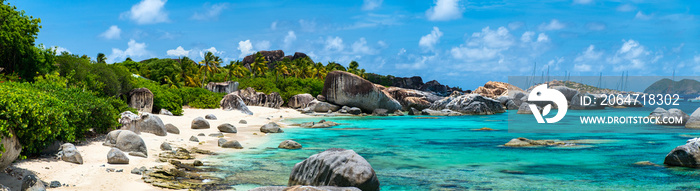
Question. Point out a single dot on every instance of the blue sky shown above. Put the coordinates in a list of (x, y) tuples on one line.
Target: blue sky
[(457, 42)]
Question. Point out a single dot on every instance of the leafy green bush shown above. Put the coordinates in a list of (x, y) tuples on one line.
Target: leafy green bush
[(40, 113), (163, 97), (200, 97)]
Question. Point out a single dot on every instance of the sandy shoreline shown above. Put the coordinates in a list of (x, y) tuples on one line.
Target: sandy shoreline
[(93, 175)]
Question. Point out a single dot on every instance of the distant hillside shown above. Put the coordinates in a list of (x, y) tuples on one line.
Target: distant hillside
[(580, 87), (668, 86)]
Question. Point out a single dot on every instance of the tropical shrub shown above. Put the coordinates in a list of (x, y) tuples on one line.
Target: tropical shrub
[(200, 97), (163, 97)]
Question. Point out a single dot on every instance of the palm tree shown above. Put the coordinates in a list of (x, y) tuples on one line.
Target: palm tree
[(259, 66), (101, 58), (210, 64), (236, 69), (319, 71)]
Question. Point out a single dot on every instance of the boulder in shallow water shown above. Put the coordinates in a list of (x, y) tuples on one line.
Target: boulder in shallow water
[(116, 156), (669, 117), (271, 128), (69, 153), (469, 104), (200, 123), (335, 167), (289, 144), (233, 144), (687, 155), (380, 112), (694, 120), (524, 142), (322, 107)]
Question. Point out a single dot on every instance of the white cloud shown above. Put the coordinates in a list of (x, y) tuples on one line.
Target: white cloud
[(626, 8), (500, 38), (210, 12), (542, 37), (273, 25), (582, 67), (113, 32), (262, 45), (360, 47), (642, 16), (445, 10), (527, 36), (212, 50), (589, 55), (334, 44), (552, 25), (134, 50), (697, 59), (555, 63), (308, 26), (371, 4), (430, 40), (289, 39), (596, 26), (246, 48), (515, 25), (631, 55), (583, 2), (60, 50), (482, 53), (178, 52), (148, 12)]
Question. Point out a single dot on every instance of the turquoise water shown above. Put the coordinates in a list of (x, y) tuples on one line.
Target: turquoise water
[(410, 153)]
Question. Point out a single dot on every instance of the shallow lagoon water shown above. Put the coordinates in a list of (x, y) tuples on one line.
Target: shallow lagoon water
[(445, 153)]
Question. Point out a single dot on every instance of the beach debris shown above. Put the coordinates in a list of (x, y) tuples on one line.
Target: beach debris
[(69, 153), (116, 156), (289, 144), (126, 141), (200, 123), (232, 144), (165, 146), (210, 117), (227, 128), (271, 128), (170, 128)]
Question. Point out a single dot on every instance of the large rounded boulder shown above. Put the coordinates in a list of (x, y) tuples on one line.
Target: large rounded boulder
[(470, 104), (300, 101), (141, 99), (687, 155), (694, 120), (335, 167), (12, 150), (126, 141), (233, 101), (271, 128), (344, 88), (200, 123), (69, 153)]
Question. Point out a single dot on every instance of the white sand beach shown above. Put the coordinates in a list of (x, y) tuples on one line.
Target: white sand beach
[(93, 175)]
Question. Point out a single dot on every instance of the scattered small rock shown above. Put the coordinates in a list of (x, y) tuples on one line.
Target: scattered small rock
[(483, 129), (200, 123), (210, 117), (232, 144), (289, 144), (116, 156), (69, 153), (120, 170), (271, 128), (227, 128), (645, 163), (201, 134), (31, 182), (109, 170), (197, 163), (216, 135), (55, 184), (165, 146), (170, 128), (194, 139), (243, 121), (221, 141)]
